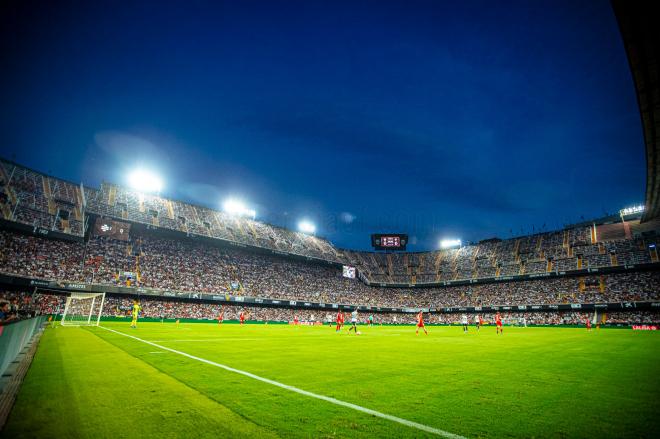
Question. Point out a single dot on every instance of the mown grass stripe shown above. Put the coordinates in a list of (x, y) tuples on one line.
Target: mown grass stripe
[(331, 400)]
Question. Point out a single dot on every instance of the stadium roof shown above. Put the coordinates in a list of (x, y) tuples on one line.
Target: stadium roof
[(641, 37)]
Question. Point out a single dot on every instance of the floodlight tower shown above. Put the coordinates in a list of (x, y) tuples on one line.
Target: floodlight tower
[(306, 226), (145, 181), (236, 207)]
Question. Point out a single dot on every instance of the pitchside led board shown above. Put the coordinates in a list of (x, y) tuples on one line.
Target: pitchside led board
[(111, 228), (349, 272), (389, 241)]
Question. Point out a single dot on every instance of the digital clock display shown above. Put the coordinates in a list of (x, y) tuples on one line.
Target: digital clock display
[(390, 241)]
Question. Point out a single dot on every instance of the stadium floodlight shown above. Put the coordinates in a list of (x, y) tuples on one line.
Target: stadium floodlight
[(632, 210), (236, 207), (306, 227), (450, 243), (145, 181)]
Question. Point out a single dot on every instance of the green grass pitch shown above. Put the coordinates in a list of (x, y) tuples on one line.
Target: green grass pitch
[(530, 382)]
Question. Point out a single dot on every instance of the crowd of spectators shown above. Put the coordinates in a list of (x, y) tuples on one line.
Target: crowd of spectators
[(16, 305), (39, 200), (196, 266)]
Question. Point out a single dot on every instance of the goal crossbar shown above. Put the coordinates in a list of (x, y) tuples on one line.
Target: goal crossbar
[(83, 309)]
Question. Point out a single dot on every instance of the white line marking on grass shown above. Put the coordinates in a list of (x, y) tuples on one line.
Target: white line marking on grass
[(339, 402), (157, 352), (205, 340)]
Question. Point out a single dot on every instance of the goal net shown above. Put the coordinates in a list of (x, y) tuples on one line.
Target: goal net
[(83, 309)]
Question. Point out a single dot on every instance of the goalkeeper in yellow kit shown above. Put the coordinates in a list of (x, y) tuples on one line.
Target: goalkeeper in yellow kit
[(136, 312)]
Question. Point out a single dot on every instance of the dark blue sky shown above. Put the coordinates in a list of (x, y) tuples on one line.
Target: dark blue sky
[(439, 119)]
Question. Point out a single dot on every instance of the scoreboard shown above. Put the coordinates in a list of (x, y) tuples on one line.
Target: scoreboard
[(389, 241)]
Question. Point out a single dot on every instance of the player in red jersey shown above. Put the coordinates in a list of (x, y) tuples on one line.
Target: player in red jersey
[(420, 323), (221, 316), (588, 325), (296, 322), (242, 316), (340, 321), (498, 324)]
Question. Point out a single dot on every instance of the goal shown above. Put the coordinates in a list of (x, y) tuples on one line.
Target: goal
[(83, 309)]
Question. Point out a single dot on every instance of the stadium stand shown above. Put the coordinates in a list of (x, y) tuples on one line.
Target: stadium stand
[(18, 305), (38, 200), (201, 266), (199, 254)]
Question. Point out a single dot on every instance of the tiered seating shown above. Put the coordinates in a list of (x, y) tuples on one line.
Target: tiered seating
[(565, 264), (40, 201), (507, 258), (634, 257), (525, 255), (579, 236), (194, 265), (485, 267), (608, 232), (629, 251), (595, 261), (125, 203), (463, 264), (63, 191), (536, 267)]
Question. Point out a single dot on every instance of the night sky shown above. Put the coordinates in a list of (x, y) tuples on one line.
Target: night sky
[(436, 119)]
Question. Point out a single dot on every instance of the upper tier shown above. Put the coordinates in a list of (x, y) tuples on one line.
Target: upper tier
[(30, 197)]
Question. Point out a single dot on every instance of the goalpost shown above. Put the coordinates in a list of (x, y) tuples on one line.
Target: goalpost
[(83, 309)]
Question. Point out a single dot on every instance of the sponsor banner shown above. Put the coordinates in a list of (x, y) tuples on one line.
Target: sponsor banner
[(644, 327)]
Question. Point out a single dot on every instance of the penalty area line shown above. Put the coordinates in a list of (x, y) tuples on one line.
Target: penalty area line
[(329, 399)]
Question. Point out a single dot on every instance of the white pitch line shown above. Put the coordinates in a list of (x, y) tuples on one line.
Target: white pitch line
[(205, 340), (339, 402)]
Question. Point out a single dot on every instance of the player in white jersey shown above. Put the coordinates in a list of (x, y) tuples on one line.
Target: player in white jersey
[(477, 322), (464, 321), (354, 320)]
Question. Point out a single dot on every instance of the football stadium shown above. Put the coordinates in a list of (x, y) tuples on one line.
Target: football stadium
[(130, 309)]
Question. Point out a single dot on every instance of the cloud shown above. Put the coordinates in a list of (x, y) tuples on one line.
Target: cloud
[(122, 146), (200, 193), (347, 217)]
